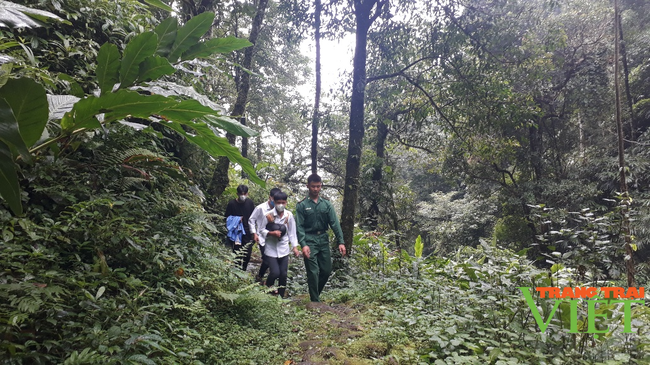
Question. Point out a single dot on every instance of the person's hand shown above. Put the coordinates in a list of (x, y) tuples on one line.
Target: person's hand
[(342, 249), (296, 251), (256, 238), (306, 251), (277, 234)]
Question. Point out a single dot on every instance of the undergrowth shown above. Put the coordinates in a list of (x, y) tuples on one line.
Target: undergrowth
[(115, 261), (467, 309)]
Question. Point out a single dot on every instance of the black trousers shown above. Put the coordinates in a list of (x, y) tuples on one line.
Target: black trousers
[(242, 252), (278, 267), (264, 266)]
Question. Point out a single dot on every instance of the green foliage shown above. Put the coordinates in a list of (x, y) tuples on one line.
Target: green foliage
[(189, 35), (9, 186), (455, 219), (467, 310), (136, 51), (513, 232), (418, 247), (587, 241), (14, 15), (104, 269), (138, 63), (108, 64)]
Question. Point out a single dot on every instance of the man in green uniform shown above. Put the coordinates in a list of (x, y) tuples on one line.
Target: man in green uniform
[(314, 216)]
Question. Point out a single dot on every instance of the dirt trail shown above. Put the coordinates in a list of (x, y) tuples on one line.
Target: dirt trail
[(336, 334), (333, 334)]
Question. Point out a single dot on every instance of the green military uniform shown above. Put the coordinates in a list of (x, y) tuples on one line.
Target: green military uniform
[(312, 222)]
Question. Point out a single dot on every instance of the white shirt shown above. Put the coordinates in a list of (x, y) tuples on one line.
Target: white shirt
[(257, 221), (279, 247)]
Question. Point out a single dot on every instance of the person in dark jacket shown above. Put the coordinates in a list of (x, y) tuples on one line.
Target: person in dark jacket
[(241, 207)]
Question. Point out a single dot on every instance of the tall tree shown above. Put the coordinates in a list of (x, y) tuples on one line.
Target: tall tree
[(364, 17), (629, 254), (220, 178), (315, 117)]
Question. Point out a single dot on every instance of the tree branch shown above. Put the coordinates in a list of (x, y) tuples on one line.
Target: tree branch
[(435, 105), (395, 74), (380, 5), (405, 143), (505, 172)]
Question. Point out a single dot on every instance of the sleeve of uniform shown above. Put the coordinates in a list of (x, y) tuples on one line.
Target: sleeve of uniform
[(293, 239), (335, 225), (300, 218), (252, 221)]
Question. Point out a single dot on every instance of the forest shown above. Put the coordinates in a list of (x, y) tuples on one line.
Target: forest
[(478, 154)]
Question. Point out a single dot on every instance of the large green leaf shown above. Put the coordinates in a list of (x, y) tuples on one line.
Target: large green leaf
[(108, 67), (230, 125), (187, 110), (159, 4), (166, 32), (216, 146), (117, 105), (418, 247), (28, 102), (154, 67), (9, 186), (14, 15), (190, 34), (9, 131), (138, 49), (215, 45), (173, 89), (190, 110)]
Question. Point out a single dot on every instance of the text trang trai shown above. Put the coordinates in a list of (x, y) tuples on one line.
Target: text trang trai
[(584, 295)]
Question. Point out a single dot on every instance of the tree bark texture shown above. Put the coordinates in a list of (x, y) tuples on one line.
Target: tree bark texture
[(220, 178), (377, 175), (315, 117)]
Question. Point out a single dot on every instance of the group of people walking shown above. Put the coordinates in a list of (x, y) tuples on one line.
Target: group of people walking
[(279, 233)]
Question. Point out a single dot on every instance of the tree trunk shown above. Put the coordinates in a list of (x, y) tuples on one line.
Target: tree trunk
[(626, 79), (362, 12), (220, 178), (377, 175), (535, 141), (625, 222), (315, 117)]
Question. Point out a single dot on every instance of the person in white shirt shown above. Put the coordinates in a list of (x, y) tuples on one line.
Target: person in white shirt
[(257, 222), (278, 246)]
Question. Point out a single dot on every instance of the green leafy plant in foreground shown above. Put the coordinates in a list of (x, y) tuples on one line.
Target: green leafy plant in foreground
[(99, 270), (147, 57)]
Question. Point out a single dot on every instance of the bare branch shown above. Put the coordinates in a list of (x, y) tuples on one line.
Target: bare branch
[(380, 5)]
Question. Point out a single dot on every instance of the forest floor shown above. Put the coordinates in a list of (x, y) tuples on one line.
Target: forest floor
[(335, 334), (331, 333)]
